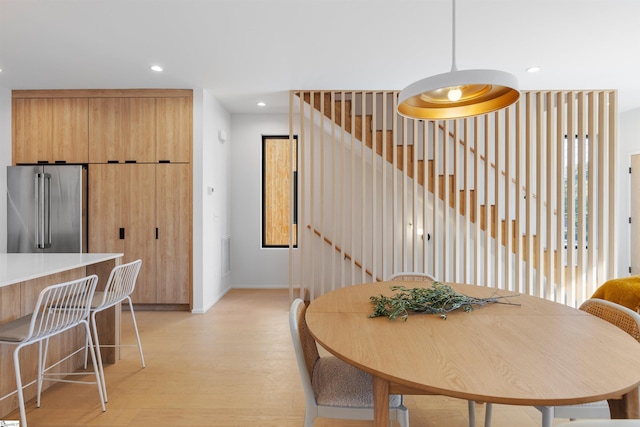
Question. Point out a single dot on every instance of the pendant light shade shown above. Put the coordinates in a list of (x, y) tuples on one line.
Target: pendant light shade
[(458, 94)]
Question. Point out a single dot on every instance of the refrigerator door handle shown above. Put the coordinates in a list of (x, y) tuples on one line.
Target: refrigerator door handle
[(47, 210), (43, 207), (39, 211)]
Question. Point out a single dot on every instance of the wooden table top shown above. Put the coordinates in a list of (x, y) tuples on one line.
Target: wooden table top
[(536, 353)]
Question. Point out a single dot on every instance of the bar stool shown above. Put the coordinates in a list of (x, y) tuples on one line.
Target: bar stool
[(58, 309), (119, 287)]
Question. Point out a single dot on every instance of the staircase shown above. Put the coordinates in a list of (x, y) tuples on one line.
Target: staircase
[(532, 186), (386, 150)]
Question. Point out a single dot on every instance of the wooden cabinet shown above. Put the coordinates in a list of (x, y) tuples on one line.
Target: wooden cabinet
[(173, 219), (50, 130), (144, 211), (122, 218), (122, 130), (138, 146), (138, 213), (142, 130), (173, 129)]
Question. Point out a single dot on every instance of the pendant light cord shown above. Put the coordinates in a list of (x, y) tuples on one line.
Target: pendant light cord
[(453, 37)]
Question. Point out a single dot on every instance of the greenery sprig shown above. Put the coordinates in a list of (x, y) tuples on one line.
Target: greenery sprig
[(439, 298)]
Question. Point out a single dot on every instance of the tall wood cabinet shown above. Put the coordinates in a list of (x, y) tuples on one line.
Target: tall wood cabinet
[(138, 147), (147, 216), (173, 221), (122, 218)]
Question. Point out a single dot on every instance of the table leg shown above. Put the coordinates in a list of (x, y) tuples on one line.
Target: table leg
[(627, 407), (380, 402)]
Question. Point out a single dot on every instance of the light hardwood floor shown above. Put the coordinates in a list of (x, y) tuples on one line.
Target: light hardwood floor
[(233, 366)]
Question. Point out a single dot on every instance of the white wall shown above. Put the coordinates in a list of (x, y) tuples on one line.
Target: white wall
[(5, 160), (252, 266), (211, 219), (628, 144)]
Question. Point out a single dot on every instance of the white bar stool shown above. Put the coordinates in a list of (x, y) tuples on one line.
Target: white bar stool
[(119, 287), (58, 309)]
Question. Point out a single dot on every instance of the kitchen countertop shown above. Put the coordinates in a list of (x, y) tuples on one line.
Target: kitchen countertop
[(15, 268)]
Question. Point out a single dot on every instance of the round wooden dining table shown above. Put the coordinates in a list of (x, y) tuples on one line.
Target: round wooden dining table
[(523, 350)]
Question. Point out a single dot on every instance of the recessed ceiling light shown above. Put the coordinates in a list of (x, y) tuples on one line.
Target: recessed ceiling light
[(261, 104), (156, 68), (533, 69)]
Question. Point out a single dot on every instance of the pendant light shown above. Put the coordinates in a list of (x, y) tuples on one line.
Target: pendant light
[(458, 94)]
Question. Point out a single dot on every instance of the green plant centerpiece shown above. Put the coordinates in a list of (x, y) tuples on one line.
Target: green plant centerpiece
[(439, 298)]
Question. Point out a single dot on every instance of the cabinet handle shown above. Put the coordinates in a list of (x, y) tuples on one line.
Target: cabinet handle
[(156, 233), (43, 162), (122, 233), (112, 161), (60, 162), (130, 161), (164, 161)]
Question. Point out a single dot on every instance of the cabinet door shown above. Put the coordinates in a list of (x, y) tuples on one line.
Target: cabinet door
[(138, 122), (105, 206), (50, 130), (174, 123), (105, 132), (32, 138), (70, 130), (138, 211), (173, 213), (121, 130)]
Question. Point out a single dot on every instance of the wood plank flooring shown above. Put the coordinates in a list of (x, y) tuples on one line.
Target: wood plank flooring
[(231, 367)]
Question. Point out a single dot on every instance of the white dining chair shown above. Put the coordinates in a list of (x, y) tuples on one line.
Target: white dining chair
[(625, 319), (119, 287), (410, 276), (333, 388), (58, 309)]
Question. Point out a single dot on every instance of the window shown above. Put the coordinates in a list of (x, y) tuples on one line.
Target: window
[(278, 177)]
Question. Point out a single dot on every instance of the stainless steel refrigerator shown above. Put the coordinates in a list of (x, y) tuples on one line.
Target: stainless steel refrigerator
[(46, 208)]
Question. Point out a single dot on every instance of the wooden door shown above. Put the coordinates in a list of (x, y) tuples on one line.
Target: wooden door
[(174, 124), (138, 122), (70, 130), (105, 207), (122, 130), (50, 130), (139, 218), (105, 130), (173, 216), (32, 131)]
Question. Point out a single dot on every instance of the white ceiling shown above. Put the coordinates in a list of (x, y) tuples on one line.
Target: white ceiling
[(244, 51)]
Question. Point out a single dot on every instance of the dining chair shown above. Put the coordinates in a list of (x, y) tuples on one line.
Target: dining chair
[(58, 309), (412, 277), (426, 277), (622, 317), (120, 285), (333, 388)]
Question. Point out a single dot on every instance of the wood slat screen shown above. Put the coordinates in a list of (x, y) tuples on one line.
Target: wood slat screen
[(520, 199)]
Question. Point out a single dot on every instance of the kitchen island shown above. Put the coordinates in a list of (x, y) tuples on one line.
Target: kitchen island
[(16, 268), (22, 277)]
